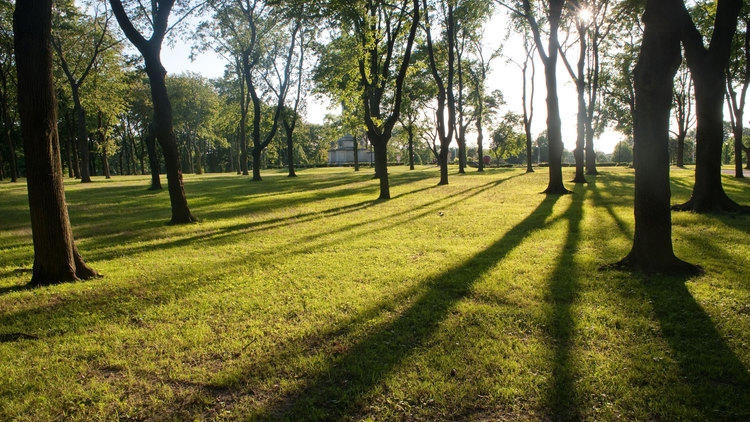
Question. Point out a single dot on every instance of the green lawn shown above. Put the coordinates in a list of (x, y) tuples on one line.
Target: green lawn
[(306, 298)]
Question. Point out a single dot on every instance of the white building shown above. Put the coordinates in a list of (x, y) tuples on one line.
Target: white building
[(342, 151)]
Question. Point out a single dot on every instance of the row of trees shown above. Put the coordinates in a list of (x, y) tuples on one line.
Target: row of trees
[(406, 64)]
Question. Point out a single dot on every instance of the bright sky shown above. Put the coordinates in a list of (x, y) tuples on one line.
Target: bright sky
[(503, 76)]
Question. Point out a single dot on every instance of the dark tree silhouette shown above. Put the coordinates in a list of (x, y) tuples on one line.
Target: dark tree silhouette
[(445, 97), (657, 65), (150, 49), (55, 256), (707, 66)]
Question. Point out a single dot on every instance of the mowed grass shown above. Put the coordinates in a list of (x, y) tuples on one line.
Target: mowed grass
[(307, 299)]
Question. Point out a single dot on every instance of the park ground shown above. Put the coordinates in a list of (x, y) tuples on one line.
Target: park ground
[(307, 299)]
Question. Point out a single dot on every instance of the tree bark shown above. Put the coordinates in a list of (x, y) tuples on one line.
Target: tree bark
[(410, 132), (165, 136), (381, 166), (56, 258), (657, 65), (554, 131), (680, 159), (153, 158), (707, 67), (7, 124)]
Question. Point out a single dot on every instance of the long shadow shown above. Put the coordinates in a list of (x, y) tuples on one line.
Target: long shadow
[(719, 381), (339, 390), (563, 286)]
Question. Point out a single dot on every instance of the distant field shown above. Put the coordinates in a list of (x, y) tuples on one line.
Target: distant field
[(306, 298)]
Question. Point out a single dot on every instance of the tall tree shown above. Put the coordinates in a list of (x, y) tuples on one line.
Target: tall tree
[(658, 61), (7, 67), (552, 10), (707, 66), (445, 97), (738, 80), (150, 50), (56, 258), (581, 18), (683, 112), (78, 47), (291, 116)]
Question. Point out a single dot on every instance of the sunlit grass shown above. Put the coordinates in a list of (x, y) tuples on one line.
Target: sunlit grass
[(308, 298)]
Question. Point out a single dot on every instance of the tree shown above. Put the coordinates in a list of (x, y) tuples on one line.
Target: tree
[(738, 79), (622, 153), (507, 141), (290, 116), (382, 33), (7, 67), (553, 12), (56, 258), (484, 106), (78, 48), (657, 65), (150, 50), (683, 112), (707, 67), (581, 18), (445, 128)]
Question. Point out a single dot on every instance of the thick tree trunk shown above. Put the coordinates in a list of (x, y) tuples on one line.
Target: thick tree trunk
[(83, 136), (164, 131), (708, 192), (381, 166), (443, 161), (256, 165), (55, 256), (680, 158), (554, 131), (654, 77)]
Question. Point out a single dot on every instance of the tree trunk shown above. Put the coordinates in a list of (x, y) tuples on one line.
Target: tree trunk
[(658, 61), (443, 161), (56, 258), (83, 137), (680, 158), (103, 142), (68, 157), (165, 136), (578, 153), (554, 131), (153, 159), (708, 192), (198, 159), (590, 153), (381, 166), (256, 165)]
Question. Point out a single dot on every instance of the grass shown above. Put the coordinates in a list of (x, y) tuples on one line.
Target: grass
[(307, 299)]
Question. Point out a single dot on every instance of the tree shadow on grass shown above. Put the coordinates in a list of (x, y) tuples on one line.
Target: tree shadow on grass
[(719, 381), (563, 289), (339, 390)]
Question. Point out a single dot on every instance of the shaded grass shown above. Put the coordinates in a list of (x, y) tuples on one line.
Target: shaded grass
[(306, 298)]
